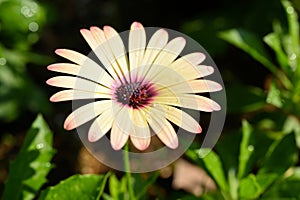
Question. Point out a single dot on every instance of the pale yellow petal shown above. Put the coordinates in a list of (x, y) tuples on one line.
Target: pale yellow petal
[(193, 86), (140, 136), (165, 57), (181, 119), (85, 113), (67, 95), (71, 55), (188, 66), (89, 69), (101, 126), (156, 43), (163, 129), (67, 68), (78, 84), (170, 52), (118, 51), (118, 137), (195, 102), (136, 44)]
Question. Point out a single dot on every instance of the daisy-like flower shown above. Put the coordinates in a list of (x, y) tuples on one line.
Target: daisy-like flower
[(136, 93)]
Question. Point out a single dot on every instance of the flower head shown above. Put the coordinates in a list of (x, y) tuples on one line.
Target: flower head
[(135, 93)]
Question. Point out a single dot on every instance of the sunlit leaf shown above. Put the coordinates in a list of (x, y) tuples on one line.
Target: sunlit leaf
[(274, 41), (249, 188), (251, 44), (292, 125), (274, 95), (214, 166), (28, 172), (293, 33), (81, 187), (246, 149)]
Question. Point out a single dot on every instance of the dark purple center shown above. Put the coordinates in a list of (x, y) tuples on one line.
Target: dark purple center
[(135, 95)]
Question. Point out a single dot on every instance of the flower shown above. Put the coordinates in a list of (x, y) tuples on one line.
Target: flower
[(136, 93)]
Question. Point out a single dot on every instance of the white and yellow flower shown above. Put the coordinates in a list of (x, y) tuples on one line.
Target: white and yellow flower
[(138, 92)]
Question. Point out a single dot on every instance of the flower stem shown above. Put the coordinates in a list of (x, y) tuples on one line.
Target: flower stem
[(128, 174)]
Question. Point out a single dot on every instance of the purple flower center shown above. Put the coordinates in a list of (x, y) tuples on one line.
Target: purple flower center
[(135, 95)]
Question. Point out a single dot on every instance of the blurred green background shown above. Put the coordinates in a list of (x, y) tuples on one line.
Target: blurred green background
[(30, 31)]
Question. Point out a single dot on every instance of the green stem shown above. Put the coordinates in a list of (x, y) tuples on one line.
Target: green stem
[(128, 174)]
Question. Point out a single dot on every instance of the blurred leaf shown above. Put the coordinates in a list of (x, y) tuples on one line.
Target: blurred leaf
[(28, 172), (214, 167), (274, 95), (265, 180), (241, 98), (248, 42), (141, 186), (114, 187), (81, 187), (251, 44), (286, 187), (286, 150), (246, 149), (118, 188), (249, 188), (253, 186), (293, 33), (273, 40), (292, 124)]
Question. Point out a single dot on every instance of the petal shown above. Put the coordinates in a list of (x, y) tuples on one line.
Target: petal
[(156, 43), (195, 102), (67, 68), (100, 46), (118, 51), (67, 95), (78, 84), (118, 137), (180, 118), (163, 129), (71, 55), (100, 126), (87, 35), (85, 113), (193, 86), (140, 136), (89, 69), (188, 66), (170, 52), (166, 56), (136, 45)]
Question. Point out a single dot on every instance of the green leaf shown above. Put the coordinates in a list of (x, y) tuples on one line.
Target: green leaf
[(28, 172), (281, 156), (287, 187), (253, 186), (214, 166), (114, 187), (249, 188), (141, 186), (273, 40), (81, 187), (251, 44), (274, 95), (246, 149), (293, 33), (242, 98), (292, 125)]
